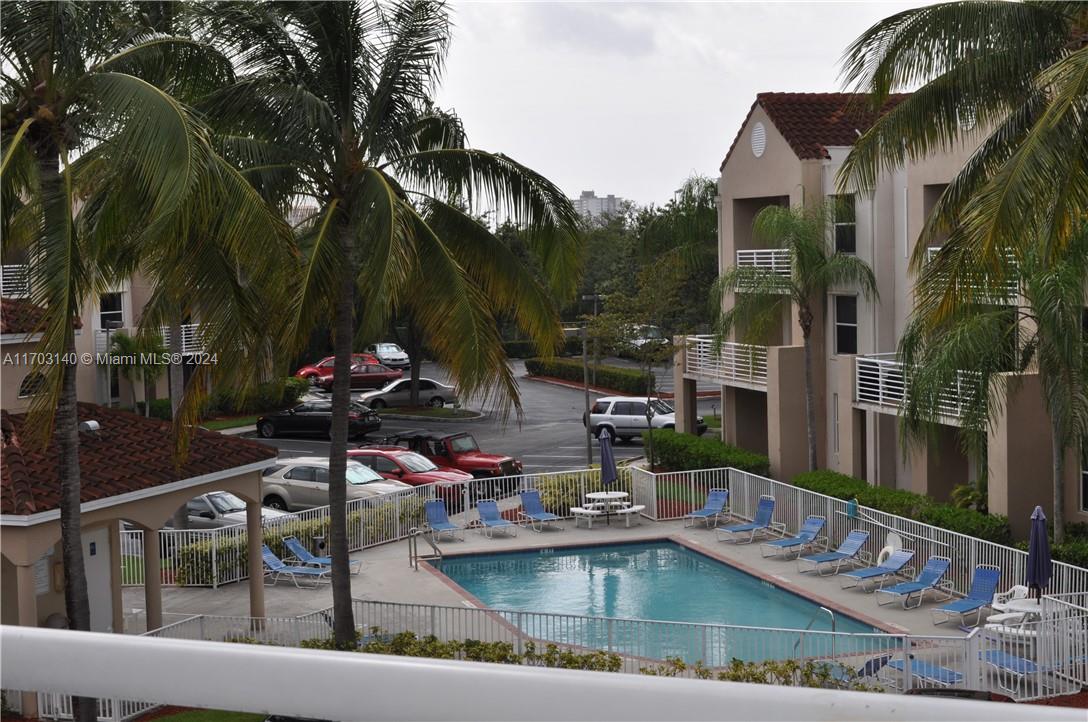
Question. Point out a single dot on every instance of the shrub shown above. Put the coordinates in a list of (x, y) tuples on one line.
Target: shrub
[(681, 452), (1074, 550), (527, 349), (268, 396), (628, 381), (991, 527)]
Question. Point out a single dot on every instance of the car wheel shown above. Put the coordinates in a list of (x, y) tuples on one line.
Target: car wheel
[(275, 502), (267, 430), (436, 403), (597, 431), (377, 404)]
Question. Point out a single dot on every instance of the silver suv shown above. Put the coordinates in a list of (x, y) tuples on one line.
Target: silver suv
[(625, 416), (303, 483)]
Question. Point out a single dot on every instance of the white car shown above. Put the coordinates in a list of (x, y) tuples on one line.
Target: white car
[(399, 393), (221, 508), (303, 483), (625, 416), (390, 355)]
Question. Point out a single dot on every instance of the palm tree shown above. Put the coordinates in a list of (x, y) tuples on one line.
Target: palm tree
[(761, 294), (337, 100), (978, 341), (142, 362), (1012, 73)]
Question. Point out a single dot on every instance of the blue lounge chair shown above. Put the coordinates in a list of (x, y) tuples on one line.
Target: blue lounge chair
[(532, 510), (980, 596), (438, 521), (876, 575), (762, 524), (928, 579), (302, 555), (274, 568), (490, 519), (847, 553), (807, 538), (1010, 665), (713, 509), (927, 673)]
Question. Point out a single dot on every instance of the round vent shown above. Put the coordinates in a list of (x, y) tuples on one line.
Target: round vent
[(759, 139)]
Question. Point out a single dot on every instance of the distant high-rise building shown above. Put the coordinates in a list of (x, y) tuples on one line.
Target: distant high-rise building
[(590, 206)]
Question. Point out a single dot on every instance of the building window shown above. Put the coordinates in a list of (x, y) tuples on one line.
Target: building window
[(846, 227), (109, 309), (32, 385), (846, 324)]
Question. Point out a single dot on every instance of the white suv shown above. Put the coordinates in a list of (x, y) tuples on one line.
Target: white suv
[(625, 416), (303, 483)]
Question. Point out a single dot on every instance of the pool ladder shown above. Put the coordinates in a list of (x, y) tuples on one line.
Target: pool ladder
[(801, 638), (414, 557)]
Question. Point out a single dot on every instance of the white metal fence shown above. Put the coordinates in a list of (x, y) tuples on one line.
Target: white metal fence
[(883, 380), (734, 364), (775, 260), (984, 285), (192, 337)]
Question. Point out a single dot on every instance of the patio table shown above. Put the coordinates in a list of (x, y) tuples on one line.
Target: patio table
[(608, 499)]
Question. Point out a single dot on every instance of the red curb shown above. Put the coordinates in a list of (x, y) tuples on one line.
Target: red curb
[(610, 392)]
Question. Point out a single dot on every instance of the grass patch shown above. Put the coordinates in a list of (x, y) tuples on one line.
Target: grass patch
[(232, 422), (444, 412), (210, 715), (713, 422), (132, 569)]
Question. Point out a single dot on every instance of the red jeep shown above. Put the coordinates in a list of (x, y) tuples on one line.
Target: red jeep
[(460, 451), (400, 464)]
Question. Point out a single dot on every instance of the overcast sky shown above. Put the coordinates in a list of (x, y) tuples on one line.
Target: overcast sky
[(630, 99)]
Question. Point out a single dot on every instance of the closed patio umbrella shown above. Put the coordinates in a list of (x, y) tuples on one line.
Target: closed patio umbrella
[(608, 460), (1039, 565)]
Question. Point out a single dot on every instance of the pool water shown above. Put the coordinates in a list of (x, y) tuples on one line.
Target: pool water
[(650, 581)]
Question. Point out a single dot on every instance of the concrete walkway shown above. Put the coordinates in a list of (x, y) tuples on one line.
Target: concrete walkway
[(387, 576)]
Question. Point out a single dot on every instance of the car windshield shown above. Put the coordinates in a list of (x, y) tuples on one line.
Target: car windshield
[(660, 407), (358, 474), (462, 444), (360, 407), (388, 348), (416, 463), (225, 502)]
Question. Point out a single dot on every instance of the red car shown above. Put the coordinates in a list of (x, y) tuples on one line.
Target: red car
[(460, 451), (324, 366), (363, 376), (400, 464)]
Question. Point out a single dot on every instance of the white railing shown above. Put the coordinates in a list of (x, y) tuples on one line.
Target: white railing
[(681, 492), (191, 674), (732, 364), (103, 339), (882, 380), (980, 284), (775, 260), (192, 338), (15, 281), (59, 706)]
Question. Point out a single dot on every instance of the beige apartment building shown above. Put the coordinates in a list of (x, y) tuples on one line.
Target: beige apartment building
[(788, 152)]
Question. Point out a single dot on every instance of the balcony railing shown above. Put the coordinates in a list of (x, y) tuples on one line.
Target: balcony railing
[(192, 338), (736, 364), (776, 260), (1003, 293), (102, 342), (882, 380), (16, 280)]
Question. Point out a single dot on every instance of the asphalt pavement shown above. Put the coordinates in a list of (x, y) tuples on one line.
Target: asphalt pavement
[(548, 436)]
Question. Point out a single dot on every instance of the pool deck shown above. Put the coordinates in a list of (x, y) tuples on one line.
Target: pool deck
[(387, 576)]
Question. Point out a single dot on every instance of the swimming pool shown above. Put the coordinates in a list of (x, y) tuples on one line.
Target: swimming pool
[(657, 580)]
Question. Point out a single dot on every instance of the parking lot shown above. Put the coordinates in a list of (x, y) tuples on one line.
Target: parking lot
[(548, 436)]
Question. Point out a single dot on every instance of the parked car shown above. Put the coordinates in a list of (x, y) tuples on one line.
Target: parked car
[(221, 508), (644, 335), (400, 464), (363, 376), (390, 354), (625, 416), (460, 451), (323, 367), (303, 483), (399, 393), (315, 418)]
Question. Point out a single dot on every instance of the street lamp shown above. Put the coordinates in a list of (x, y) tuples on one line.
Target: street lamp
[(110, 326)]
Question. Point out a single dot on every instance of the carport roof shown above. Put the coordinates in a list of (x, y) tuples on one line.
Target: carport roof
[(128, 453)]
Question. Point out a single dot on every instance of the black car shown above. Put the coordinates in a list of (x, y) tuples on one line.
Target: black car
[(315, 418)]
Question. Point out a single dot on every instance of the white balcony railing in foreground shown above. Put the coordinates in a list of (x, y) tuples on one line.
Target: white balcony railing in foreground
[(341, 686), (1004, 292), (882, 380), (736, 364), (15, 280), (775, 260)]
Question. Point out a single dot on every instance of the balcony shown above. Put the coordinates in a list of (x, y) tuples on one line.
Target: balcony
[(881, 383), (773, 260), (192, 338), (102, 343), (736, 364), (16, 280), (1005, 293)]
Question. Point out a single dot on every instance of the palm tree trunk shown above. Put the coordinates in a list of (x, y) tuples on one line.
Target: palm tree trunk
[(177, 391), (343, 328), (1058, 452), (810, 392)]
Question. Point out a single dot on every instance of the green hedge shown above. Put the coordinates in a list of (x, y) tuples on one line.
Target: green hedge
[(616, 378), (683, 452), (991, 527), (268, 396)]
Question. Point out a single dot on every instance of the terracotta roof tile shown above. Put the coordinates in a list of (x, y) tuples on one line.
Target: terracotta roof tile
[(18, 315), (128, 453), (811, 122)]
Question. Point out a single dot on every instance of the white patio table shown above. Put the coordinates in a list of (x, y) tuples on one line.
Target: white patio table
[(607, 499)]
